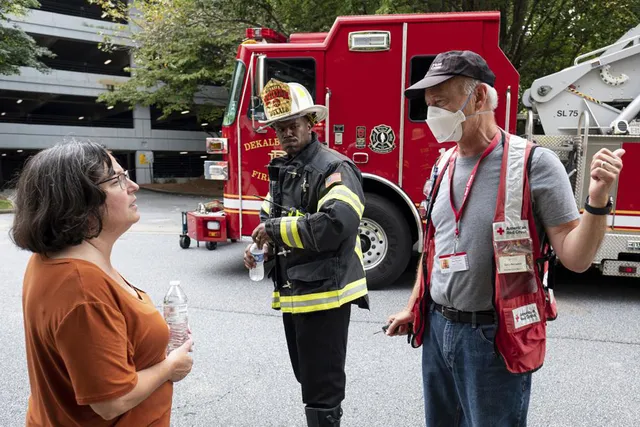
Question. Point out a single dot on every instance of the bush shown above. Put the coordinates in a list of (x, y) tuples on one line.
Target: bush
[(5, 204)]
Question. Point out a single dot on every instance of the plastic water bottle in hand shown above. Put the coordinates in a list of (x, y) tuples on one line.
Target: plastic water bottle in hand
[(176, 315), (257, 273)]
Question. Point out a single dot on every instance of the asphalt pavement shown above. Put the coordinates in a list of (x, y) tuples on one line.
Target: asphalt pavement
[(242, 375)]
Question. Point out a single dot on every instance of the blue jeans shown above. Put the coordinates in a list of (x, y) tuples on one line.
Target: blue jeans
[(465, 382)]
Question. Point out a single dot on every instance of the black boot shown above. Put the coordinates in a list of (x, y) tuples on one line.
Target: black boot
[(318, 417)]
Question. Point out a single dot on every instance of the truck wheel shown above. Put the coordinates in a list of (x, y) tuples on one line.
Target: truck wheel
[(185, 242), (211, 245), (386, 241)]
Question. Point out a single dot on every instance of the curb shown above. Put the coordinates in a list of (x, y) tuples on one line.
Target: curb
[(178, 193), (6, 211)]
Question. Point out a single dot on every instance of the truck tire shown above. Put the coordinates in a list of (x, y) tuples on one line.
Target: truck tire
[(386, 241)]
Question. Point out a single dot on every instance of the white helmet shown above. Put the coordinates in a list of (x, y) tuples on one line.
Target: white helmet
[(287, 101)]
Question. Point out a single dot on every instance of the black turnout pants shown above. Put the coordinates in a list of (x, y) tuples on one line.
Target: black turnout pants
[(317, 345)]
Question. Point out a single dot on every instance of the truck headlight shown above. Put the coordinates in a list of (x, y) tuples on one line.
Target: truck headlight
[(218, 171)]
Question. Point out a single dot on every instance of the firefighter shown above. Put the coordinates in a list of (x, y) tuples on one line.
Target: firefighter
[(479, 306), (310, 222)]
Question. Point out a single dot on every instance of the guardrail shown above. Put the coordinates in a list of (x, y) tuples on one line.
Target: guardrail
[(86, 11), (65, 65), (43, 119)]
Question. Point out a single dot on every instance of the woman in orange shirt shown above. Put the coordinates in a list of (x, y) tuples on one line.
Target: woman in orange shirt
[(96, 345)]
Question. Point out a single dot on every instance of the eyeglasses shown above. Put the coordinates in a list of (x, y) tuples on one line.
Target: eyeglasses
[(122, 178)]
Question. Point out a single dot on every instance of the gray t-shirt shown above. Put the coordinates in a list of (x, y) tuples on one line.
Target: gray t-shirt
[(554, 204)]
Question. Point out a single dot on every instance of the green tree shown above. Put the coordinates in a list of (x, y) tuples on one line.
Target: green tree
[(18, 49), (182, 45), (541, 37)]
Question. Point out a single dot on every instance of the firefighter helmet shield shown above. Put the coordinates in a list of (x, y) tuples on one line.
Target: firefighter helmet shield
[(287, 101)]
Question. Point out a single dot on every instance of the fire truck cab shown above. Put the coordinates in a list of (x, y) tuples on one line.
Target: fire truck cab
[(359, 71)]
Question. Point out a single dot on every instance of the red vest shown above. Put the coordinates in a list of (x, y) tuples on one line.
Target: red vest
[(521, 299)]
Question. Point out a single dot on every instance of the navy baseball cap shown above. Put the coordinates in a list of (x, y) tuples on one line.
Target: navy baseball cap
[(450, 64)]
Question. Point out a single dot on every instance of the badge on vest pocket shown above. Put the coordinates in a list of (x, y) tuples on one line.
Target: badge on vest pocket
[(525, 315), (515, 256), (512, 264), (513, 247), (452, 263)]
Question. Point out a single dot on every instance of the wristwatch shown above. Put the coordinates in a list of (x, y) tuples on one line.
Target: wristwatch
[(598, 211)]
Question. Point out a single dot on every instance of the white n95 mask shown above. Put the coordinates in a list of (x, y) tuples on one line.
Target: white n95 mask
[(446, 125)]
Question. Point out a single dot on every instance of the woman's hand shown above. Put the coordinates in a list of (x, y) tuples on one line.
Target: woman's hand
[(180, 361)]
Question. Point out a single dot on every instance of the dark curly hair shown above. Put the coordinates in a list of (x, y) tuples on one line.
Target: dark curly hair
[(58, 203)]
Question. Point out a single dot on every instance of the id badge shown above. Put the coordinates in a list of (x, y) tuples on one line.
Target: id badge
[(510, 263), (452, 263), (513, 247)]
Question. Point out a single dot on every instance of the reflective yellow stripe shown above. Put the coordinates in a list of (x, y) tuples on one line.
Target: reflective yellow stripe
[(289, 231), (350, 202), (266, 206), (290, 307), (283, 232), (344, 194), (294, 232), (275, 300), (319, 307), (359, 250), (323, 295)]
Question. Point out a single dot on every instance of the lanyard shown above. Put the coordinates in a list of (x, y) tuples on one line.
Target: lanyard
[(467, 188)]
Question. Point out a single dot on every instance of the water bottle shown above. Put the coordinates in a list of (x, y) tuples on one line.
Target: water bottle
[(257, 273), (175, 314)]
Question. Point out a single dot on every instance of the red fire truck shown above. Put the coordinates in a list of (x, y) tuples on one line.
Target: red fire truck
[(359, 71)]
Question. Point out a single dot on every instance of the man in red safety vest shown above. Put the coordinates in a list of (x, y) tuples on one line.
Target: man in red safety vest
[(479, 306)]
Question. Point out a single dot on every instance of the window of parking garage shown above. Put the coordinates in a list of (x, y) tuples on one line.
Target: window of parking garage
[(171, 164), (84, 57), (179, 120), (81, 8), (61, 110), (11, 163)]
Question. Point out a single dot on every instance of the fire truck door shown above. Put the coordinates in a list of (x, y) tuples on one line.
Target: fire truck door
[(425, 40), (366, 95)]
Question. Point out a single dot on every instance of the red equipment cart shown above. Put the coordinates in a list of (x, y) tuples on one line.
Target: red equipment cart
[(203, 225)]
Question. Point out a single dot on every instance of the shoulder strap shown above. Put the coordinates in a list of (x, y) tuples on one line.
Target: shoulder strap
[(530, 161), (444, 158), (437, 170), (436, 178), (513, 179), (545, 246)]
